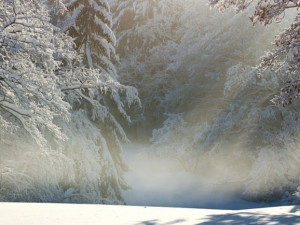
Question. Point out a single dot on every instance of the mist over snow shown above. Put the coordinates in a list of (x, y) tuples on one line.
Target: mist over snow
[(161, 182)]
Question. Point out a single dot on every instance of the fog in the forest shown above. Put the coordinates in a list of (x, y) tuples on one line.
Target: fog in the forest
[(204, 107), (205, 132)]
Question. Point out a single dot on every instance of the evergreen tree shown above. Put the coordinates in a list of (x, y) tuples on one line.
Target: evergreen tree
[(90, 22)]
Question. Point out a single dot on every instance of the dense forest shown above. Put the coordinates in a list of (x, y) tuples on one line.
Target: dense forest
[(211, 84)]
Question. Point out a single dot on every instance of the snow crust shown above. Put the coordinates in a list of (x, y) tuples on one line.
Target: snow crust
[(66, 214)]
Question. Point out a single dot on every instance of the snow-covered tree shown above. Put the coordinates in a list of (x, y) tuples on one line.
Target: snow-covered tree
[(146, 36), (31, 51), (106, 105), (286, 53), (95, 131), (68, 109), (90, 22), (55, 7)]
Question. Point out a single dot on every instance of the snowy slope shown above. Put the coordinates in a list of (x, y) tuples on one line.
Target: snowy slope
[(67, 214)]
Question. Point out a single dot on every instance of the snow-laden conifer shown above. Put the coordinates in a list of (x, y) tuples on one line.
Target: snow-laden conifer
[(89, 23)]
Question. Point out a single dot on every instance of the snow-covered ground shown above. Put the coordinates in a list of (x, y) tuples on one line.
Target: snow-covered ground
[(67, 214)]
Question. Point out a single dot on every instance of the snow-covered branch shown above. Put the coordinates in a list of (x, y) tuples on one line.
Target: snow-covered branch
[(285, 57)]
